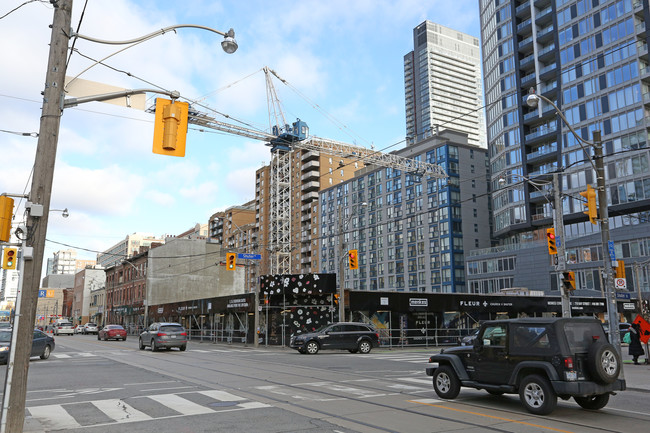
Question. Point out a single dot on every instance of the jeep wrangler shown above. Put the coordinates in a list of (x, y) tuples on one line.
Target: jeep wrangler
[(540, 359)]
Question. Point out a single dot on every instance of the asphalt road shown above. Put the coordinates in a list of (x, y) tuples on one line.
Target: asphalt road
[(96, 386)]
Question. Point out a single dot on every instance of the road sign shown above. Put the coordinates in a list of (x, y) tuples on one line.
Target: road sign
[(622, 295), (610, 246), (249, 256), (620, 283), (42, 293)]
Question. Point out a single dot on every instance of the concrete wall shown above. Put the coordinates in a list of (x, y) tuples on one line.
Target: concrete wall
[(188, 269)]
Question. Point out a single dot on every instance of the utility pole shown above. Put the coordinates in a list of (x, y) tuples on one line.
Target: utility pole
[(612, 310), (558, 224), (40, 193), (341, 269)]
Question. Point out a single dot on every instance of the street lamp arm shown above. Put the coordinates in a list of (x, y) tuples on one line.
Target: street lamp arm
[(581, 140), (72, 102), (230, 34)]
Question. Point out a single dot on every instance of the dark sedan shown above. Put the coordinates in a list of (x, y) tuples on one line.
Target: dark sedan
[(112, 332), (42, 344)]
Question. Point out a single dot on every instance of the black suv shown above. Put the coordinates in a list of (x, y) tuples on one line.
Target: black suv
[(355, 337), (540, 359)]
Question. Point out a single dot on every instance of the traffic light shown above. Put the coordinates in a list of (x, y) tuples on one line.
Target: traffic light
[(231, 261), (568, 280), (9, 258), (550, 240), (6, 213), (353, 259), (336, 298), (592, 208), (170, 127), (620, 269)]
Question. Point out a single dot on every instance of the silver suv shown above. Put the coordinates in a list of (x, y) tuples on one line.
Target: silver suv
[(163, 335)]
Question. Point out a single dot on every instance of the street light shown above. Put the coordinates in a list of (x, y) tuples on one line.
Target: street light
[(533, 101), (558, 226), (342, 257)]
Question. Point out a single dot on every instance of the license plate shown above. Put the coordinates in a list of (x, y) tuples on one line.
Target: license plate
[(173, 336), (571, 375)]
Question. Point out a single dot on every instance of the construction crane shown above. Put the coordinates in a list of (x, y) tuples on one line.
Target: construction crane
[(283, 140)]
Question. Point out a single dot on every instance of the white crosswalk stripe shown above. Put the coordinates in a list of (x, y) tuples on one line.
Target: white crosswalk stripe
[(58, 416)]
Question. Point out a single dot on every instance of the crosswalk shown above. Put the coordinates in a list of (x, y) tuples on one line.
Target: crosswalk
[(140, 408)]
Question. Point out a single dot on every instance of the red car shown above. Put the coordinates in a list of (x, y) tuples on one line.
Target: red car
[(112, 332)]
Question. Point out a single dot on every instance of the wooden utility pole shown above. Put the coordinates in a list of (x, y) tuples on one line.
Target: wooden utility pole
[(36, 225)]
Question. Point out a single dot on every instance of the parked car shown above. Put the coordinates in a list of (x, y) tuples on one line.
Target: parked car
[(112, 332), (468, 340), (540, 359), (61, 328), (42, 344), (623, 328), (90, 328), (355, 337), (5, 325), (79, 329), (163, 335)]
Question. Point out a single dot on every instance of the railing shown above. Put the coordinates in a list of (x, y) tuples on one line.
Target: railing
[(422, 337)]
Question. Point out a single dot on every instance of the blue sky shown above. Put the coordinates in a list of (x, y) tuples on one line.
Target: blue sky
[(343, 60)]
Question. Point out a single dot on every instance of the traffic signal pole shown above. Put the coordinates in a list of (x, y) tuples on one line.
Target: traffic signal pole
[(603, 214), (558, 224), (40, 193)]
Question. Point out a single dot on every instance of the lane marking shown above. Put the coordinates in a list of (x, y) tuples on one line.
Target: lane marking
[(180, 404), (55, 417), (442, 406), (120, 411)]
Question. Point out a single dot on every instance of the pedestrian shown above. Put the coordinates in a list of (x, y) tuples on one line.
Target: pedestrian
[(635, 348)]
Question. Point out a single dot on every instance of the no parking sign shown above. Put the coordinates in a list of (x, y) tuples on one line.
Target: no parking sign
[(620, 283)]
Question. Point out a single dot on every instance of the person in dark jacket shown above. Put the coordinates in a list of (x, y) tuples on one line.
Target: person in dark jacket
[(635, 348)]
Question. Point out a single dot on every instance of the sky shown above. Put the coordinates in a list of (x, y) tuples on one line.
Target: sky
[(342, 60)]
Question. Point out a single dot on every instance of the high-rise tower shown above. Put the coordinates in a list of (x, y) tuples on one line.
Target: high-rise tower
[(442, 84)]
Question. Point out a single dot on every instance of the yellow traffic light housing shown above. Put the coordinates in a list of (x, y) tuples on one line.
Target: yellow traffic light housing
[(9, 258), (550, 241), (620, 269), (353, 260), (6, 213), (170, 127), (569, 280), (592, 208), (231, 261)]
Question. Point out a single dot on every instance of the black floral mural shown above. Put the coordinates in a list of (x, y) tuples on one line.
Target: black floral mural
[(299, 302)]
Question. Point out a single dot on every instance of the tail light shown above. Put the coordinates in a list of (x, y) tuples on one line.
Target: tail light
[(568, 363), (161, 334), (184, 333)]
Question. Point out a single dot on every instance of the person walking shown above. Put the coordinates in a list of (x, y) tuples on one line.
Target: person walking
[(635, 348)]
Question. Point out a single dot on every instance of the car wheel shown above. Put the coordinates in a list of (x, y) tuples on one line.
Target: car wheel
[(365, 346), (182, 348), (140, 344), (153, 346), (593, 402), (445, 382), (312, 348), (603, 362), (46, 352), (537, 395)]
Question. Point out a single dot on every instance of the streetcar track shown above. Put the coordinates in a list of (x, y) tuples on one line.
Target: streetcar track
[(260, 368)]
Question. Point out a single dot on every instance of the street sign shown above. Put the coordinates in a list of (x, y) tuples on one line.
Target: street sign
[(610, 246), (42, 293), (620, 283), (622, 295), (249, 256)]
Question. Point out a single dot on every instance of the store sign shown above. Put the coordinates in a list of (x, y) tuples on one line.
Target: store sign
[(383, 300), (418, 302)]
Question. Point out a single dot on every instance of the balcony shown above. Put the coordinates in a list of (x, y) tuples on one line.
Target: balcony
[(640, 29), (313, 195), (541, 132), (310, 175), (545, 34), (524, 25), (541, 151), (548, 72), (523, 10), (311, 165), (547, 53), (310, 186), (312, 154), (544, 17)]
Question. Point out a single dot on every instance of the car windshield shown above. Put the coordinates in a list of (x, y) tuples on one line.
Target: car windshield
[(5, 336), (114, 327)]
